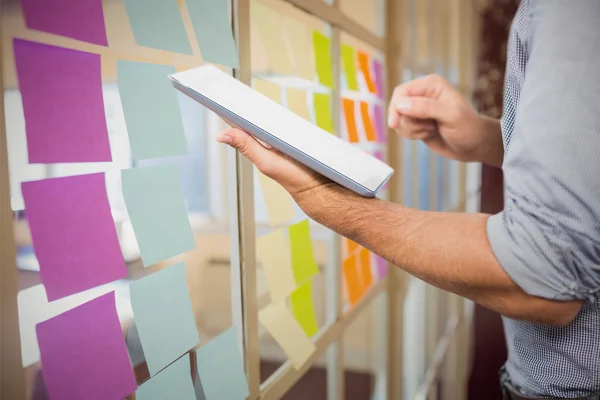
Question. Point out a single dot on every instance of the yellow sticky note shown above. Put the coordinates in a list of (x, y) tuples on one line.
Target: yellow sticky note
[(269, 89), (280, 205), (322, 105), (303, 259), (287, 332), (349, 64), (270, 29), (274, 253), (298, 36), (303, 308), (296, 101), (322, 51)]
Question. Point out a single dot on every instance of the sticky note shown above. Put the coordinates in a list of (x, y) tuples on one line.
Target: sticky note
[(151, 110), (172, 383), (77, 19), (210, 19), (83, 353), (158, 24), (407, 162), (351, 246), (297, 102), (380, 128), (303, 308), (424, 176), (299, 39), (382, 266), (280, 205), (157, 212), (322, 106), (270, 29), (351, 280), (268, 88), (348, 106), (221, 369), (378, 72), (275, 255), (64, 110), (73, 233), (322, 51), (365, 267), (367, 124), (164, 317), (363, 65), (349, 64), (287, 332), (303, 259)]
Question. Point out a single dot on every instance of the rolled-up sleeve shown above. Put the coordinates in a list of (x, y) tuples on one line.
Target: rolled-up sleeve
[(548, 236)]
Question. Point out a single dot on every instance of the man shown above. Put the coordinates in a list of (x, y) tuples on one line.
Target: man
[(538, 262)]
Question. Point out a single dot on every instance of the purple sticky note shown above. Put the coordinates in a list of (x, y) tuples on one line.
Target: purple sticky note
[(379, 125), (61, 91), (382, 266), (84, 355), (73, 232), (378, 72), (77, 19)]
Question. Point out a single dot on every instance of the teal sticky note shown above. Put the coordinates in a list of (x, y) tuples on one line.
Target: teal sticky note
[(151, 110), (163, 315), (154, 201), (210, 19), (221, 369), (158, 24), (173, 383)]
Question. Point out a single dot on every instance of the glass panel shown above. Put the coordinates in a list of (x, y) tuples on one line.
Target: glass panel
[(368, 13), (414, 351)]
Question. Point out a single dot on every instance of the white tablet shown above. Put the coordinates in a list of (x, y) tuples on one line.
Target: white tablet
[(281, 128)]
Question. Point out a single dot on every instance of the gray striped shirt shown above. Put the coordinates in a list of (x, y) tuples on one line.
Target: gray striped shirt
[(548, 236)]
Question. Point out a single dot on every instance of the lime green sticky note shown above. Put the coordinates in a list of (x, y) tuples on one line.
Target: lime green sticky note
[(349, 64), (322, 49), (322, 106), (303, 259), (303, 308)]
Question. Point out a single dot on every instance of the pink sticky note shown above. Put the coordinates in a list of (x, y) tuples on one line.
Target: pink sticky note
[(61, 91), (84, 355), (382, 266), (77, 19), (379, 125), (74, 236), (378, 72)]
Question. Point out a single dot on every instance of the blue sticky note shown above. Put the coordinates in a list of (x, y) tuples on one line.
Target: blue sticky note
[(408, 171), (439, 171), (210, 19), (163, 315), (424, 176), (173, 383), (154, 201), (151, 109), (221, 369), (158, 24)]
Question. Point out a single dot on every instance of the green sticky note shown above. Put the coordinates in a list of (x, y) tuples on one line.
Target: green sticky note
[(303, 259), (172, 383), (322, 49), (303, 308), (154, 201), (349, 63), (158, 24), (151, 110), (213, 31), (163, 316), (322, 106), (221, 369)]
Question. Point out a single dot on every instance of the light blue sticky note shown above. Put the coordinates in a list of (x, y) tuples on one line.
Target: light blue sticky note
[(158, 24), (213, 31), (440, 183), (424, 176), (173, 383), (221, 369), (408, 171), (157, 212), (163, 314), (151, 110)]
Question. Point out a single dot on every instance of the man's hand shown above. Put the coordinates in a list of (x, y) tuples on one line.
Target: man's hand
[(431, 110)]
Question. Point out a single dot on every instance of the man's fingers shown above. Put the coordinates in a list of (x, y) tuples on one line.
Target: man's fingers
[(248, 146), (422, 108)]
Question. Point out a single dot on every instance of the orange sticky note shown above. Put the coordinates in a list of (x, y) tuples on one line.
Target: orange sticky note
[(365, 267), (353, 285), (348, 106), (363, 65), (351, 246), (367, 123)]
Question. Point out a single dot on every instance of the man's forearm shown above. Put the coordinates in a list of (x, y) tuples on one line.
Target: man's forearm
[(492, 149), (448, 250)]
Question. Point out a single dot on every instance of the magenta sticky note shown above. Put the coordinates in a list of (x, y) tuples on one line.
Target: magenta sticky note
[(74, 236), (61, 90), (78, 19), (379, 125), (382, 266), (84, 355), (378, 72)]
